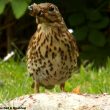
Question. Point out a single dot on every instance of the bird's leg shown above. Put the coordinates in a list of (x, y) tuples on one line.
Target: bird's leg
[(62, 87), (36, 86)]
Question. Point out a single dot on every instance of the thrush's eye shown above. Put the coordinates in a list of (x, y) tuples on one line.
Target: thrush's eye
[(51, 8)]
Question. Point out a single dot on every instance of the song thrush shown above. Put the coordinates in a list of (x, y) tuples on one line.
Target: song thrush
[(52, 52)]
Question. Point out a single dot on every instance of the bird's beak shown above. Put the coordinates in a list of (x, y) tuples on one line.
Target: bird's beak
[(32, 9)]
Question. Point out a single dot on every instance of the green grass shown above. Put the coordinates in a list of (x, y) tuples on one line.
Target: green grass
[(14, 80)]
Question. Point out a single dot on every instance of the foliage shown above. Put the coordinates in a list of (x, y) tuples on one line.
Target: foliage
[(90, 27), (14, 80), (2, 5), (91, 23), (94, 19), (18, 6)]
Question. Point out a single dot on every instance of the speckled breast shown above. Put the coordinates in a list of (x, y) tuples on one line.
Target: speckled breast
[(50, 58)]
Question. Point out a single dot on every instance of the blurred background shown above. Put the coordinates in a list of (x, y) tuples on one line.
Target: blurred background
[(90, 20)]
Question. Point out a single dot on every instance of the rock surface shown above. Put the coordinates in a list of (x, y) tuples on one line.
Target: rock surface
[(58, 101)]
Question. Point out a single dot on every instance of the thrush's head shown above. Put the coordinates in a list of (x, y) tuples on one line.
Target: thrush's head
[(45, 12)]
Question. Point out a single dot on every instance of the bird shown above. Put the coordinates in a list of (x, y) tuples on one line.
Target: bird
[(52, 52)]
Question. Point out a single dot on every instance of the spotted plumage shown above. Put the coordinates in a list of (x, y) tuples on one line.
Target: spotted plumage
[(52, 52)]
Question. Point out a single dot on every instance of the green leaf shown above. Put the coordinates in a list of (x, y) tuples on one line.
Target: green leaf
[(2, 5), (93, 15), (103, 23), (97, 38), (19, 7), (81, 33), (76, 19)]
